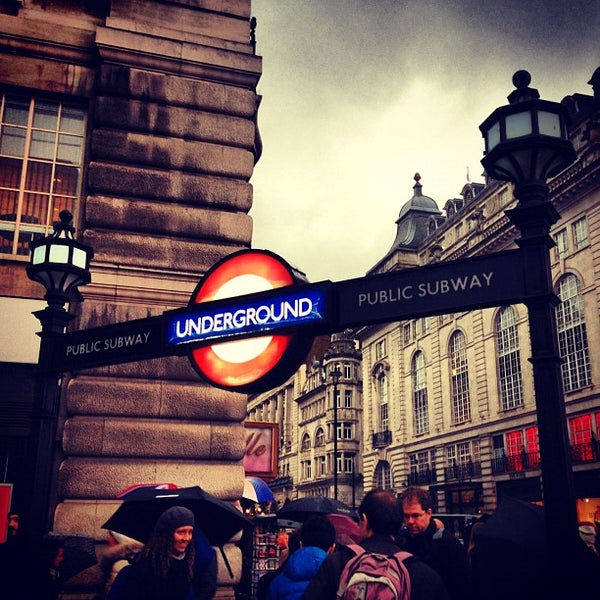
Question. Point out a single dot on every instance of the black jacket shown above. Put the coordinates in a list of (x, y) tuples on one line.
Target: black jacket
[(445, 555), (425, 583)]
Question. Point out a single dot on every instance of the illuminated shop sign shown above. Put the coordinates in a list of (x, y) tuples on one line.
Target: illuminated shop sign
[(268, 313)]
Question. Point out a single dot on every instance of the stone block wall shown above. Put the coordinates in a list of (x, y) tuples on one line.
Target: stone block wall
[(172, 143)]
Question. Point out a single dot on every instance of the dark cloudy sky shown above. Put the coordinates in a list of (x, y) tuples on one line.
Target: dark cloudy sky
[(360, 95)]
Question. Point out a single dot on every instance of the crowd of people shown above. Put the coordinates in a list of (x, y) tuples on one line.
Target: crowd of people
[(438, 565), (402, 549)]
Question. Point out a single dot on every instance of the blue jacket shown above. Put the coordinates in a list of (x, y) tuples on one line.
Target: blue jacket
[(298, 570)]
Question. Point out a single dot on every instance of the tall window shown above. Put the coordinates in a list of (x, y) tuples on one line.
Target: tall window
[(580, 233), (41, 154), (347, 370), (419, 381), (319, 438), (345, 431), (463, 452), (514, 450), (562, 243), (336, 396), (380, 349), (509, 359), (347, 398), (306, 469), (533, 446), (346, 462), (461, 403), (422, 467), (572, 335), (383, 475), (382, 390), (321, 463), (580, 429), (305, 444)]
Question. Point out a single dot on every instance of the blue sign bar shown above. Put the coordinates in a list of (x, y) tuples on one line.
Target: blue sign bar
[(282, 308)]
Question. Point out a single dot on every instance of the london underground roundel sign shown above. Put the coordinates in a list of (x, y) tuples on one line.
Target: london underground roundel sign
[(253, 364)]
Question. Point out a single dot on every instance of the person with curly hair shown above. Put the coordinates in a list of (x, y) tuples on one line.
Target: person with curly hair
[(166, 568)]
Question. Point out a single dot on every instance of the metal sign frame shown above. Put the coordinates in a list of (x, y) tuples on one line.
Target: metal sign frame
[(445, 287)]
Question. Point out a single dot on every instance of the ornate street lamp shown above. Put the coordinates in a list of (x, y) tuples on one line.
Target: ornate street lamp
[(335, 375), (526, 143), (60, 264)]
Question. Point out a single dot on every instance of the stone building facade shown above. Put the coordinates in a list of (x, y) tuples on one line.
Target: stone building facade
[(449, 401), (139, 116), (303, 408)]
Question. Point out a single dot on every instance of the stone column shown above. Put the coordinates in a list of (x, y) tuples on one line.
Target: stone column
[(173, 143)]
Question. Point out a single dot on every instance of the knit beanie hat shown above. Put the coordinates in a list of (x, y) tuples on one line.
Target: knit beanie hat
[(173, 518)]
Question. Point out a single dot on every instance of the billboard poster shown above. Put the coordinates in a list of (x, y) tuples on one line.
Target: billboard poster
[(260, 458)]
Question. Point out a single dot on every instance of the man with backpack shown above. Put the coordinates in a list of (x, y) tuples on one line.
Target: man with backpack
[(376, 573)]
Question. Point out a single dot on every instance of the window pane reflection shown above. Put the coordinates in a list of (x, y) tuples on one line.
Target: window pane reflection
[(45, 116), (42, 145), (13, 141)]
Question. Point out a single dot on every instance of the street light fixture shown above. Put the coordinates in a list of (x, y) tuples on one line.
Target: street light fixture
[(526, 143), (335, 375), (60, 264)]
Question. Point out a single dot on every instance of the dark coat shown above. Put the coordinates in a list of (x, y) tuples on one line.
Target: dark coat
[(138, 582), (426, 584), (445, 555)]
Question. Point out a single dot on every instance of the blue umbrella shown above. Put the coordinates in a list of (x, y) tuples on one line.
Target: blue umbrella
[(256, 490)]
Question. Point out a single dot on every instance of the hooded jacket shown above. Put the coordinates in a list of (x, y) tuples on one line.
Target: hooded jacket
[(297, 572)]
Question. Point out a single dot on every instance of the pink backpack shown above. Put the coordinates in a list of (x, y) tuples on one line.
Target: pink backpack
[(372, 576)]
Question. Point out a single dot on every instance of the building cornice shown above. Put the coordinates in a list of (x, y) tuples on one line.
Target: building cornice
[(178, 57)]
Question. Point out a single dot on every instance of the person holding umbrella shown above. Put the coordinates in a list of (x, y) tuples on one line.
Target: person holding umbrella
[(165, 568)]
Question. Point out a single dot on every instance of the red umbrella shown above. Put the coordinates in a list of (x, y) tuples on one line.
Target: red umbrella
[(345, 526), (156, 486)]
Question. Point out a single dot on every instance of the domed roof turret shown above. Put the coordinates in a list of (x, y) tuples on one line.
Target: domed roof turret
[(413, 219), (418, 201)]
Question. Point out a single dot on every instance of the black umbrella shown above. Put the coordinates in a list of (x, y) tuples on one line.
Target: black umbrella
[(510, 551), (78, 553), (517, 523), (141, 508), (303, 508)]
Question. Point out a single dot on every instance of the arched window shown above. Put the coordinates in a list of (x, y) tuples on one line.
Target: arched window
[(509, 359), (383, 475), (319, 438), (419, 383), (461, 402), (572, 335), (305, 444)]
